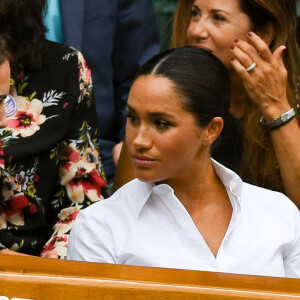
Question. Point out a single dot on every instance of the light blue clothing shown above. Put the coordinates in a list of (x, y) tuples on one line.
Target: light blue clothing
[(52, 20)]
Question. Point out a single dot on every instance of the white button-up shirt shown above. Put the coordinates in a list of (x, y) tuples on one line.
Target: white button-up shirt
[(145, 224)]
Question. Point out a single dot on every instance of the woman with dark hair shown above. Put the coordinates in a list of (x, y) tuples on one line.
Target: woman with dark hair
[(256, 41), (185, 210), (52, 167)]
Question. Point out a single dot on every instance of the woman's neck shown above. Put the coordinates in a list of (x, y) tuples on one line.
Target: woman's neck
[(198, 186)]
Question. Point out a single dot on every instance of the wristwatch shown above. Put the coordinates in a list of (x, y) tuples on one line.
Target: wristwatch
[(283, 119)]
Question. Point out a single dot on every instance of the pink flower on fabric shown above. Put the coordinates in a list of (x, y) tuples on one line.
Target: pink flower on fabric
[(27, 118)]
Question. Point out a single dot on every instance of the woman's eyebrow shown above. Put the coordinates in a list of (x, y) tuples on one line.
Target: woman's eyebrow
[(161, 114), (154, 114)]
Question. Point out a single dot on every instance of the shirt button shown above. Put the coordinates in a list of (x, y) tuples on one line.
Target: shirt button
[(233, 185)]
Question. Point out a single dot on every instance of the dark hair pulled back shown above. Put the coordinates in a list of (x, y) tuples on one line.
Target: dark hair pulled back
[(198, 76)]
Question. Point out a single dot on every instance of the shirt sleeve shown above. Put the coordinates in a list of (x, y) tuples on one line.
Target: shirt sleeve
[(81, 176), (292, 260), (91, 240)]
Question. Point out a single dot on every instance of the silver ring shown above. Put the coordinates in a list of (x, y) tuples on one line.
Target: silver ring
[(251, 67)]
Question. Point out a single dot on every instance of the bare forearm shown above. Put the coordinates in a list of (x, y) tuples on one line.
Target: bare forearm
[(286, 141)]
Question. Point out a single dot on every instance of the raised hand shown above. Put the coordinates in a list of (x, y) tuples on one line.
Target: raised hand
[(266, 83)]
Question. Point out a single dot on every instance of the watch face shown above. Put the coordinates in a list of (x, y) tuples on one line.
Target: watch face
[(284, 118)]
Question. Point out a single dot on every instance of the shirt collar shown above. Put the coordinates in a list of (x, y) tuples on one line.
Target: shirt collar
[(231, 181), (143, 191)]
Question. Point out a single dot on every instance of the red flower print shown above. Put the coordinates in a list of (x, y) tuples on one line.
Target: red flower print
[(13, 209), (33, 209), (52, 243), (36, 177), (69, 218), (20, 75), (22, 120), (85, 183)]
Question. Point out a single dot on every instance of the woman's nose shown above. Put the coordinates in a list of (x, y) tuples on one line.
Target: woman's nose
[(198, 30), (142, 139)]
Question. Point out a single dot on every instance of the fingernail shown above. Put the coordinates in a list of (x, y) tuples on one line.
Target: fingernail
[(232, 47), (250, 33), (236, 40)]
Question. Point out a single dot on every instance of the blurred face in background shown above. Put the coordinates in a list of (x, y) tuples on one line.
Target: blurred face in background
[(215, 25), (4, 90)]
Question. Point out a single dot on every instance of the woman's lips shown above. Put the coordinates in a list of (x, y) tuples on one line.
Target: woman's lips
[(143, 160)]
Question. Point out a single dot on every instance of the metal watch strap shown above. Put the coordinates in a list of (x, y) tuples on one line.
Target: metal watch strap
[(283, 119)]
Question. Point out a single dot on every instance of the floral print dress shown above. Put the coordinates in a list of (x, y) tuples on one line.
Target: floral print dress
[(51, 168)]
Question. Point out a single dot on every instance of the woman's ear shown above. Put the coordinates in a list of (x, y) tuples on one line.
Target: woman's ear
[(214, 129), (267, 33)]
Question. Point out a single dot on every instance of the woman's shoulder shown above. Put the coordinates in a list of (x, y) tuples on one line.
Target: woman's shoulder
[(268, 201), (57, 51), (126, 201)]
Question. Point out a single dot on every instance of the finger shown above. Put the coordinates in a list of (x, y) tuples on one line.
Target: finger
[(261, 47), (242, 56), (277, 54), (249, 50), (51, 254), (240, 70)]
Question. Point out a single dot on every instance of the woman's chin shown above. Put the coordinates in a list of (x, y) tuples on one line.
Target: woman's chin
[(147, 177)]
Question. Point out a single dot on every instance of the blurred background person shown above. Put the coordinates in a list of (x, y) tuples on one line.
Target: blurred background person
[(52, 167)]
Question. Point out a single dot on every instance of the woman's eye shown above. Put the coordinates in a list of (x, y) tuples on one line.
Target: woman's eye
[(219, 17), (195, 13), (160, 124), (131, 118)]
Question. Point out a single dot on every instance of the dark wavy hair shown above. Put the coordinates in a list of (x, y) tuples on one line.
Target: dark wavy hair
[(22, 27)]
